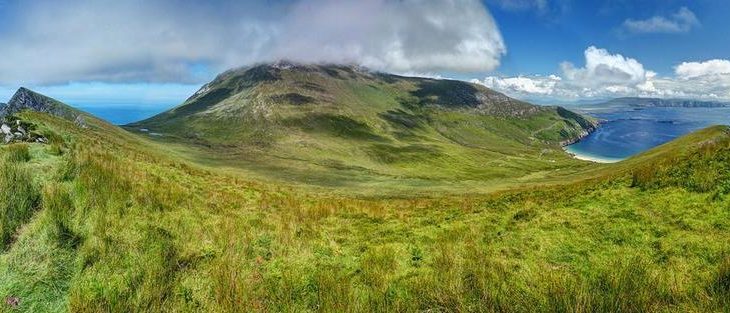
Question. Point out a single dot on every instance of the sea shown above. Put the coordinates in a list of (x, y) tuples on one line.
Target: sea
[(628, 131), (124, 114)]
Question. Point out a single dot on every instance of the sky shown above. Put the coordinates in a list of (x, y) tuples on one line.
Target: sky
[(157, 53)]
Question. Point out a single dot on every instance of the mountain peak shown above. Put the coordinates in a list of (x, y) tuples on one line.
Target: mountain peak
[(26, 99)]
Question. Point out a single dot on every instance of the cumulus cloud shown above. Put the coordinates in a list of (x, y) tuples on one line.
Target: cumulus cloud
[(689, 70), (530, 85), (607, 75), (170, 41), (681, 22), (604, 68)]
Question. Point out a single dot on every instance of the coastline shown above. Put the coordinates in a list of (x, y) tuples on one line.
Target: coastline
[(588, 157), (585, 133), (583, 156)]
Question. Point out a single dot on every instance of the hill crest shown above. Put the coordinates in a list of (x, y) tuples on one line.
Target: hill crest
[(26, 99)]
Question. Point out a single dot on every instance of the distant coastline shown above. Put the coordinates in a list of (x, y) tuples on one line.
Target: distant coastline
[(638, 102)]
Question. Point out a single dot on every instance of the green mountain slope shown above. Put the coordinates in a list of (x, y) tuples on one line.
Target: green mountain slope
[(116, 222), (329, 124)]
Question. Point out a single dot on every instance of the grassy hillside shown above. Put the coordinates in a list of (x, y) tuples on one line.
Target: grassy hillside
[(116, 222), (346, 127)]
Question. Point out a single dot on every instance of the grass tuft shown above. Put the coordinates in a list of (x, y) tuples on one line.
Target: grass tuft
[(18, 152), (19, 198)]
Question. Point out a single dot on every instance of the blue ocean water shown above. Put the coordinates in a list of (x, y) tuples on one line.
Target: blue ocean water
[(629, 131), (123, 114)]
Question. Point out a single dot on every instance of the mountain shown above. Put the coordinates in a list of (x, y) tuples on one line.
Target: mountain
[(656, 102), (20, 117), (26, 99), (265, 99), (293, 117)]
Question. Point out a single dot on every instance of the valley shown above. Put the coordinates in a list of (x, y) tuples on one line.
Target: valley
[(302, 188)]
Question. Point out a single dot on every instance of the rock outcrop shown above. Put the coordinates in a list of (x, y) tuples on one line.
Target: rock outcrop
[(14, 130), (26, 99)]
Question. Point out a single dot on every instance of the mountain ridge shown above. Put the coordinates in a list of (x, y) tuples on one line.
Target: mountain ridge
[(346, 118), (26, 99), (430, 93)]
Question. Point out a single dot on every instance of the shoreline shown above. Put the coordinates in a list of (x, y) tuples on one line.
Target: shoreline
[(586, 157), (590, 158)]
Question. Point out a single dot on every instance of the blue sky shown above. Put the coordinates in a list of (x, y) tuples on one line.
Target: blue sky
[(155, 54), (539, 40)]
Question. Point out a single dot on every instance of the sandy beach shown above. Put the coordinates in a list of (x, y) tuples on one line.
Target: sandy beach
[(588, 157)]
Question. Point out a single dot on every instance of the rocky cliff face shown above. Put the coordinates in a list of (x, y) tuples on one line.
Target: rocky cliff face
[(26, 99), (583, 133)]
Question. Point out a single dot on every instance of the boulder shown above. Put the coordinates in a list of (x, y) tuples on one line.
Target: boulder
[(5, 129), (80, 121)]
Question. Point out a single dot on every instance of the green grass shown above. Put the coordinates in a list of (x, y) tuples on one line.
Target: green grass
[(17, 153), (118, 223), (19, 196), (330, 126)]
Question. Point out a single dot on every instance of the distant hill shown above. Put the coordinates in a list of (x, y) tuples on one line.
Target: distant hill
[(656, 102), (309, 97), (346, 117), (26, 99)]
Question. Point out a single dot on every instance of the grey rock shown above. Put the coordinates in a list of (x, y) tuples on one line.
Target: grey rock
[(25, 99), (5, 129), (9, 138), (80, 121)]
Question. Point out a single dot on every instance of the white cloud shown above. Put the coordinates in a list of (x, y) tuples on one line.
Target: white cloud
[(607, 75), (689, 70), (604, 68), (530, 85), (681, 22), (49, 42)]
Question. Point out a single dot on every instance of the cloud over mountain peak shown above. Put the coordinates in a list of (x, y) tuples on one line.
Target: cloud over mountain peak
[(168, 41)]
